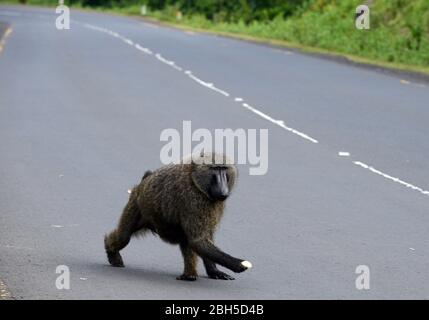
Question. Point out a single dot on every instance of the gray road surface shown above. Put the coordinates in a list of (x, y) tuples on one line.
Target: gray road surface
[(81, 112)]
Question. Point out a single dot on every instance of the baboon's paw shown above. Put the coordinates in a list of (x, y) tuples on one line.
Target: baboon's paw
[(219, 275), (187, 277), (115, 260)]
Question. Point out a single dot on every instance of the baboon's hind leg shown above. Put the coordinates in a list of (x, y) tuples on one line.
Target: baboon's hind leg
[(190, 260), (116, 240)]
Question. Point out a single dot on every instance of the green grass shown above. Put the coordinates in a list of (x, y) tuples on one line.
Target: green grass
[(399, 31), (398, 38)]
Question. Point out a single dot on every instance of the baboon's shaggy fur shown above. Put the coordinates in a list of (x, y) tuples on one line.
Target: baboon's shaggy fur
[(177, 202)]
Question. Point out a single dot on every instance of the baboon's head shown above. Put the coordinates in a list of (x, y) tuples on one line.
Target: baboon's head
[(213, 174)]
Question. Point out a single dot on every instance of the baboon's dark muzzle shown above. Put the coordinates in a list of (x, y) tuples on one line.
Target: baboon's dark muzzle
[(220, 189), (222, 197)]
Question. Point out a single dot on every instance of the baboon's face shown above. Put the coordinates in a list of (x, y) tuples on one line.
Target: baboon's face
[(218, 189), (215, 181)]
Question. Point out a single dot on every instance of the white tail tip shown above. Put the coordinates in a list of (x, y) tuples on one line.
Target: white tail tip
[(246, 264)]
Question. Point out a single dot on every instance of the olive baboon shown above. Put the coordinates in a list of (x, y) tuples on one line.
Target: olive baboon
[(183, 204)]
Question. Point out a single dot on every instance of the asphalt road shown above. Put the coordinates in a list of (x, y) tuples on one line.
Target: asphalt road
[(81, 112)]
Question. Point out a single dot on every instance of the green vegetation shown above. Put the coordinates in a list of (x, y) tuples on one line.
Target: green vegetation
[(399, 32)]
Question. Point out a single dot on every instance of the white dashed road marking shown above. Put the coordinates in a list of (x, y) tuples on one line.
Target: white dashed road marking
[(168, 62), (128, 41), (280, 123), (206, 84), (145, 50), (397, 180)]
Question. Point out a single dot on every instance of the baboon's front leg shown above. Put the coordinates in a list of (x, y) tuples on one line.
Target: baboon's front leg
[(207, 250), (213, 272), (190, 260)]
